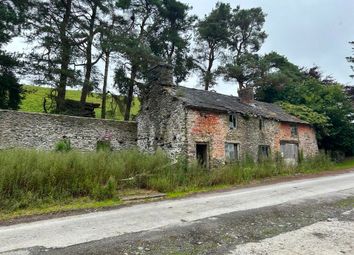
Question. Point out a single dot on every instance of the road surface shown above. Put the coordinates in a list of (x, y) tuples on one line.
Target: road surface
[(90, 233)]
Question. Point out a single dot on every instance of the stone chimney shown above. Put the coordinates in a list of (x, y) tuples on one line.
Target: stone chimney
[(162, 74), (246, 95)]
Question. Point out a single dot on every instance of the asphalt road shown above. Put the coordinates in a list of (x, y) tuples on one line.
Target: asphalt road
[(204, 224)]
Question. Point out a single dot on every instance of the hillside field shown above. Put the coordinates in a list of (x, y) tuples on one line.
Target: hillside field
[(34, 95)]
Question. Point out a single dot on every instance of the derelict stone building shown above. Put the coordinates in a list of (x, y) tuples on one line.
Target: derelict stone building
[(216, 128), (196, 124)]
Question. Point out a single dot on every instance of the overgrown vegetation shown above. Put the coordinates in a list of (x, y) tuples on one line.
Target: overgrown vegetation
[(63, 145), (30, 178)]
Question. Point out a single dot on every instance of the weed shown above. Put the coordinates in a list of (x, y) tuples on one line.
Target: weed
[(63, 145), (30, 178)]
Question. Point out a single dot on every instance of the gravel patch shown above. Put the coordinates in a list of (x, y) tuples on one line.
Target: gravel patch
[(335, 237), (228, 233)]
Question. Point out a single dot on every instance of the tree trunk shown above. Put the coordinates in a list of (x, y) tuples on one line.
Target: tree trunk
[(130, 94), (105, 80), (86, 88), (64, 58), (208, 74), (206, 83), (241, 85)]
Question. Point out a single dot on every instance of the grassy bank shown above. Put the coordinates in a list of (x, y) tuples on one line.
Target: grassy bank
[(33, 101), (32, 179)]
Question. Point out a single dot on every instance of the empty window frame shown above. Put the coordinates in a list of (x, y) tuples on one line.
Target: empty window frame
[(294, 131), (263, 152), (232, 151), (232, 121), (261, 123)]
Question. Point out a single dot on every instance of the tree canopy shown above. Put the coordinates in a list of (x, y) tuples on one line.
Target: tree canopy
[(12, 13)]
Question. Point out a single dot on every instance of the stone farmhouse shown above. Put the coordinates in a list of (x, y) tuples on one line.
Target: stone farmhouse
[(203, 125), (215, 128)]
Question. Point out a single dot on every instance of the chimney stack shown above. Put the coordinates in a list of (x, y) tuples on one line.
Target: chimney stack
[(246, 95), (162, 74)]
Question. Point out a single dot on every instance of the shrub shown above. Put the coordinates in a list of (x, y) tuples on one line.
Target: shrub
[(104, 142), (103, 146), (106, 191), (63, 145)]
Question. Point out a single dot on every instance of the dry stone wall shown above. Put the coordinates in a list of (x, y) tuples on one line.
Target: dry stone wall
[(43, 131)]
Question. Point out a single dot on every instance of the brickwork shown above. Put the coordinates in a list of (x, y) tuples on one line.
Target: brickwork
[(213, 129)]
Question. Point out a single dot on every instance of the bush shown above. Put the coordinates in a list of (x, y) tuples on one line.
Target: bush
[(63, 145), (103, 146), (102, 192)]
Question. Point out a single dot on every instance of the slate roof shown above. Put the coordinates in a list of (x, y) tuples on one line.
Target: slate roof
[(207, 100)]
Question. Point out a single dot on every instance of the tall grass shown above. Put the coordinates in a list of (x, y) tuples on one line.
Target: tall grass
[(30, 177)]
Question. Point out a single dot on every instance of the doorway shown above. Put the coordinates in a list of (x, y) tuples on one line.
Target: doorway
[(202, 154), (290, 152)]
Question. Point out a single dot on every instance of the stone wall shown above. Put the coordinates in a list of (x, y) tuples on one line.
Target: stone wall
[(213, 129), (43, 131), (162, 123)]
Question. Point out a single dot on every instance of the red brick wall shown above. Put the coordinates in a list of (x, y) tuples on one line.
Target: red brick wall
[(306, 138), (209, 128), (213, 128)]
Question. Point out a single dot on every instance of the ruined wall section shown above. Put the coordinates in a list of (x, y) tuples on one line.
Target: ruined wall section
[(209, 128), (43, 131), (162, 123), (306, 138), (213, 129)]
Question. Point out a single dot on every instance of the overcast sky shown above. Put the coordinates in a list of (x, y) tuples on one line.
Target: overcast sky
[(308, 32)]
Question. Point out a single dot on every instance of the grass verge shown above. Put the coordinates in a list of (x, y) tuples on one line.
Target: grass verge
[(37, 182), (60, 207), (346, 164)]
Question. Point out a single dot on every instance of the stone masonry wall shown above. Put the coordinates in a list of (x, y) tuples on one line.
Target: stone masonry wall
[(306, 138), (162, 123), (43, 131), (213, 129)]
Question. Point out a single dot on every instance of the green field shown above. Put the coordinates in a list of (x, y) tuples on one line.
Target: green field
[(34, 95)]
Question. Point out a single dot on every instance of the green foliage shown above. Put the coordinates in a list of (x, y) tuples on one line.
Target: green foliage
[(12, 13), (33, 101), (329, 101), (170, 40), (63, 145), (103, 146), (306, 94), (10, 89), (244, 69), (212, 37), (245, 40), (30, 177), (305, 113), (275, 74), (103, 192)]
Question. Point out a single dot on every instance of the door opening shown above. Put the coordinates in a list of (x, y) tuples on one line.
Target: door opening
[(202, 154), (290, 152)]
